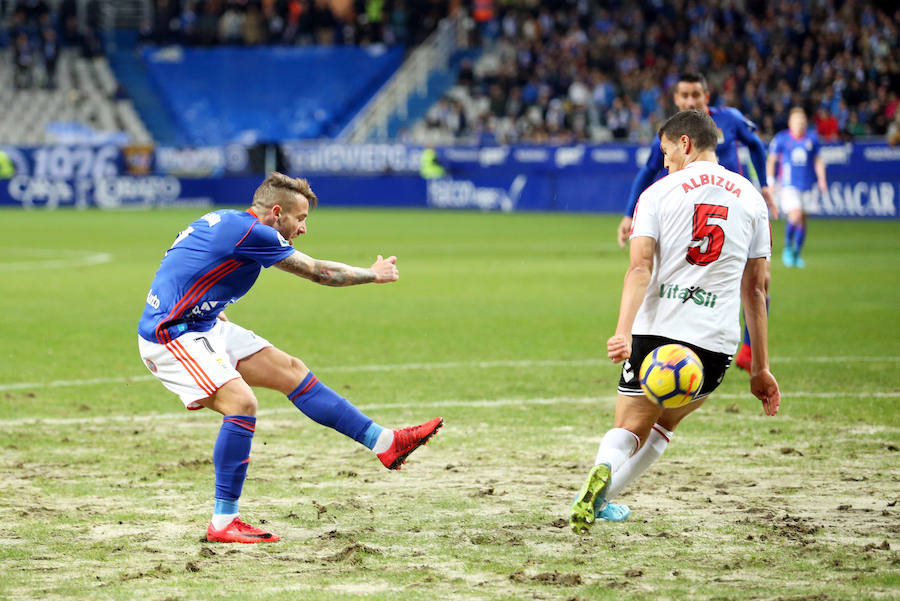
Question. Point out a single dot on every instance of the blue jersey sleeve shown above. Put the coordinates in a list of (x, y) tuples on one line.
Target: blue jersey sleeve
[(264, 245), (746, 133), (645, 177)]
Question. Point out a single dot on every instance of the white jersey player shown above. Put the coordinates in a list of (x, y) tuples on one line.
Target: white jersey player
[(699, 246)]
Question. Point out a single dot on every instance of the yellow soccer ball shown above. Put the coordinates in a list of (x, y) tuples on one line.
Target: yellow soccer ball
[(671, 375)]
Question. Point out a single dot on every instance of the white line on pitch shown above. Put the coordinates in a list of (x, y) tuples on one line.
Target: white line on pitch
[(84, 260), (427, 366), (338, 368), (437, 405)]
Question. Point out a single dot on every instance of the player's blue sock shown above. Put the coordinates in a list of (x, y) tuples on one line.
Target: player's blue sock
[(325, 406), (370, 436), (225, 506), (231, 456), (789, 230), (799, 239)]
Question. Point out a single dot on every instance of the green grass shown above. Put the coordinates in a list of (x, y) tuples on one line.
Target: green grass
[(499, 324)]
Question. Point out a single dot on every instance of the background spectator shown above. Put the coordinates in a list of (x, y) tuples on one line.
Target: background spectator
[(303, 22), (839, 60)]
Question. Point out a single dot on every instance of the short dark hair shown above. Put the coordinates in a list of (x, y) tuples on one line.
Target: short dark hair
[(691, 77), (696, 125)]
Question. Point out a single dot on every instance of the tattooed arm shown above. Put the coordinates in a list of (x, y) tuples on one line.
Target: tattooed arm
[(332, 273)]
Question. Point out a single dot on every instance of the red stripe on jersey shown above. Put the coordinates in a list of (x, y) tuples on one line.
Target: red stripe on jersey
[(209, 284), (200, 287), (248, 232), (215, 274), (163, 336)]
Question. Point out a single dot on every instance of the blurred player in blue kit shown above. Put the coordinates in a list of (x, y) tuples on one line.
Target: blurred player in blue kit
[(692, 92), (796, 151), (186, 341)]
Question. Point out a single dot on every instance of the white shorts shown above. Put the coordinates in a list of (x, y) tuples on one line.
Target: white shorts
[(196, 364), (795, 198)]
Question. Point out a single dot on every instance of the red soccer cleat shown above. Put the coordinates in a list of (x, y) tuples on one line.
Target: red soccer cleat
[(744, 357), (407, 440), (239, 532)]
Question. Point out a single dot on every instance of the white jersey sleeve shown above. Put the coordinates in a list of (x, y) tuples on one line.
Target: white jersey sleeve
[(645, 221), (761, 240)]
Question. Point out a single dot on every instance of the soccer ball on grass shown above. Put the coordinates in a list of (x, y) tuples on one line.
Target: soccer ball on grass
[(671, 375)]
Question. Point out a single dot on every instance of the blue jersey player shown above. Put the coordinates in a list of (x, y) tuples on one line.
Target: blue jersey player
[(796, 150), (187, 343), (732, 129)]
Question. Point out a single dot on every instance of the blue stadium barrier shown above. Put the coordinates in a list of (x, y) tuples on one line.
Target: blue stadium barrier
[(864, 178)]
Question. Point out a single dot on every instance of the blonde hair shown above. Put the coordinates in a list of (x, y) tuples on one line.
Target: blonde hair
[(280, 189)]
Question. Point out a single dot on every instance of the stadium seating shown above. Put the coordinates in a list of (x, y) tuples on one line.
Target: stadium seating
[(83, 107), (229, 94)]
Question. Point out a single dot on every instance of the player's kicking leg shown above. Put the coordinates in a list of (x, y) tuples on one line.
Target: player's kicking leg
[(275, 369)]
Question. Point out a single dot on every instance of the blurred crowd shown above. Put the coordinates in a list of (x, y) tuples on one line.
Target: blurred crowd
[(567, 71), (562, 71), (37, 34), (254, 22)]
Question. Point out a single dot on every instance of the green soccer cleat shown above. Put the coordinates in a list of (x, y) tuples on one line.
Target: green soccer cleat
[(584, 506)]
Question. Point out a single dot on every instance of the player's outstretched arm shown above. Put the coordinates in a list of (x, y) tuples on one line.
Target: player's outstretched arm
[(753, 293), (332, 273), (769, 196)]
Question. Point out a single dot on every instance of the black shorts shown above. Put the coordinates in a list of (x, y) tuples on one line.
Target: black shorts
[(714, 365)]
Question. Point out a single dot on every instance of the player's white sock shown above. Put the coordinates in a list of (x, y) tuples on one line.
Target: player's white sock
[(616, 447), (220, 520), (384, 442), (639, 462)]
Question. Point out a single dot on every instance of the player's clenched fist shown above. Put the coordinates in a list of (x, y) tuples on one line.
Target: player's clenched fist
[(385, 270)]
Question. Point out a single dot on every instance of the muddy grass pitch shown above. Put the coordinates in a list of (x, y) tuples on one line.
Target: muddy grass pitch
[(498, 325)]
